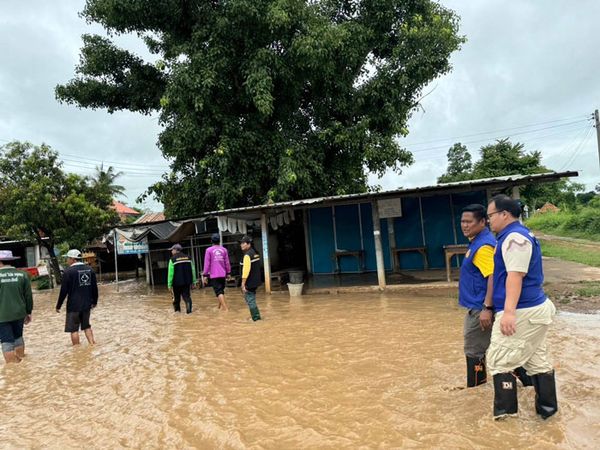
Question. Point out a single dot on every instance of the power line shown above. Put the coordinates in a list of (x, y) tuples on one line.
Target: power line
[(496, 131)]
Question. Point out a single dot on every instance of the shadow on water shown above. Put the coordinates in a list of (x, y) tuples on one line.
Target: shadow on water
[(372, 370)]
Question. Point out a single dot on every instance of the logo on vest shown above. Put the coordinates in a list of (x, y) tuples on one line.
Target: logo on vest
[(507, 385)]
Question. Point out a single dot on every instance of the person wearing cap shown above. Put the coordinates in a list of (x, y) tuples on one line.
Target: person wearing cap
[(218, 268), (16, 304), (80, 288), (523, 313), (251, 278), (181, 277)]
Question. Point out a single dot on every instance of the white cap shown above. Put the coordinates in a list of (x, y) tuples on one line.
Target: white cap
[(74, 253)]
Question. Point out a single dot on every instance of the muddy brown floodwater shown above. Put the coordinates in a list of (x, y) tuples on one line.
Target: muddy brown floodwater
[(348, 371)]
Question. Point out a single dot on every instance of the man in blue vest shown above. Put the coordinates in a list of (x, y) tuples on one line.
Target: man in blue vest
[(475, 291), (523, 313)]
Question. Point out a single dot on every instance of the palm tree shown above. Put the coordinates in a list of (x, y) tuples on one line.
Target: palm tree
[(105, 181)]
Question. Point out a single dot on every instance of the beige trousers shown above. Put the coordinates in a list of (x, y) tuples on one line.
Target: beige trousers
[(525, 348)]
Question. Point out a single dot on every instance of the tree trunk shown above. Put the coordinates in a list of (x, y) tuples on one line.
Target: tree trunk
[(53, 262)]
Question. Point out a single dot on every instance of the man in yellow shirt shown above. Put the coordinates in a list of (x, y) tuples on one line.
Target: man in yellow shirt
[(251, 278), (475, 291)]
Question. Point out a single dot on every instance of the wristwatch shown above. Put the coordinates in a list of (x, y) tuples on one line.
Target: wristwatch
[(488, 308)]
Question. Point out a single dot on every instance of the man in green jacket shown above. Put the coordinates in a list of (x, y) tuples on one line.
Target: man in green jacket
[(181, 278), (16, 303)]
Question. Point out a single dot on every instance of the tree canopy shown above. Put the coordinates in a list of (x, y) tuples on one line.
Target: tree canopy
[(505, 158), (267, 99), (40, 201)]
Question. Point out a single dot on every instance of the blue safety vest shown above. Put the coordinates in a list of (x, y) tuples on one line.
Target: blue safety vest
[(472, 286), (532, 293)]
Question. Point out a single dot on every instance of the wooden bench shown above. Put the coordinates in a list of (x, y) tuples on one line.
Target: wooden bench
[(358, 254), (449, 252), (421, 250)]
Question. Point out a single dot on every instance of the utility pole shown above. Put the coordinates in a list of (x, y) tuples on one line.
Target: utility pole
[(597, 121)]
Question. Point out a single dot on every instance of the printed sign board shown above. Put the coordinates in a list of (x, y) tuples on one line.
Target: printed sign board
[(127, 247), (390, 208)]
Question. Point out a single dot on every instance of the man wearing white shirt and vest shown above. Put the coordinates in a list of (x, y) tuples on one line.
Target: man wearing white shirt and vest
[(523, 313)]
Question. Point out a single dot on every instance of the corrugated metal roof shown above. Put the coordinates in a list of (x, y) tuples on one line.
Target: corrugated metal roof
[(151, 217), (458, 186)]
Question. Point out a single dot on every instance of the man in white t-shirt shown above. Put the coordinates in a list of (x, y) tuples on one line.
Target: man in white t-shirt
[(523, 313)]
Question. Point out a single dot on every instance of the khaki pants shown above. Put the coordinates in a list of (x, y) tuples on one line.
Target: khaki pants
[(527, 347)]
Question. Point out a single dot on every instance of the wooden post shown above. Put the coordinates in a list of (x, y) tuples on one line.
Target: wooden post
[(392, 239), (378, 246), (148, 267), (264, 228), (307, 241), (116, 264)]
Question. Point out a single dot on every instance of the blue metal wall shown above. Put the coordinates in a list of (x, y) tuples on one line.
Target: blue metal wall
[(441, 226)]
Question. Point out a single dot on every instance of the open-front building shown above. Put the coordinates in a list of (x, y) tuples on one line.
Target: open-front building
[(376, 238)]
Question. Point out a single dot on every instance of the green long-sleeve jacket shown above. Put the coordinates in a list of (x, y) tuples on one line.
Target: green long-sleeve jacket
[(16, 299), (181, 271)]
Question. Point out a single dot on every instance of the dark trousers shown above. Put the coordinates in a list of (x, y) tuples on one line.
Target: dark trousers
[(181, 291)]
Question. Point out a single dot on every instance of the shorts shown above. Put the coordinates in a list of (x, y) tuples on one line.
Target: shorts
[(218, 285), (77, 319), (11, 331)]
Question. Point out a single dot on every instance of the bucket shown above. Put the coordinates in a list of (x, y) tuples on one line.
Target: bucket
[(295, 289), (296, 276)]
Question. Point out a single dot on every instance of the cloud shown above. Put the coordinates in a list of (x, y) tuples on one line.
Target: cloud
[(525, 62)]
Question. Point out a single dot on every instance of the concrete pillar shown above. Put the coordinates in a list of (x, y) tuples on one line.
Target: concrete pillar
[(392, 239), (264, 228), (516, 195), (378, 246), (307, 240)]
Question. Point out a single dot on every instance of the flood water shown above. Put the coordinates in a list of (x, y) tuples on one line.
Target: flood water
[(349, 371)]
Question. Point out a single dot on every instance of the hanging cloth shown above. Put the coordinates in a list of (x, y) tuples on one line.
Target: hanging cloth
[(241, 226), (280, 220), (222, 222), (292, 216), (232, 225), (286, 217), (273, 221)]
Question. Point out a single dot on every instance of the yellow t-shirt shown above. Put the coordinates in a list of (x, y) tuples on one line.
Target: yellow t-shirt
[(484, 260)]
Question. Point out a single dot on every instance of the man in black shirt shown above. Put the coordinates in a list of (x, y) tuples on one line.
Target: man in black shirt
[(79, 284)]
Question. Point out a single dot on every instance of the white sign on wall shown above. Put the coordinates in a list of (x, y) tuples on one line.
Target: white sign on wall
[(391, 207)]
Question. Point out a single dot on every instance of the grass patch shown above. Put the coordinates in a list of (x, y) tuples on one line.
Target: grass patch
[(584, 223), (589, 289), (571, 252)]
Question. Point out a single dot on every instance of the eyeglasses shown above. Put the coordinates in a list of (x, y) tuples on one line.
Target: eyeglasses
[(494, 212)]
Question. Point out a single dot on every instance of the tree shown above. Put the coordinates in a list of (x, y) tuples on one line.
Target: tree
[(459, 164), (104, 182), (505, 158), (42, 202), (267, 99)]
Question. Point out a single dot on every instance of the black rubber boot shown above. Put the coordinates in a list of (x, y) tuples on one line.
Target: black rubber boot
[(176, 307), (505, 395), (476, 373), (255, 313), (188, 306), (546, 404), (521, 374)]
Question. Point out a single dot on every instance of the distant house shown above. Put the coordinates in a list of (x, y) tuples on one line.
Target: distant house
[(150, 217), (126, 214), (548, 207)]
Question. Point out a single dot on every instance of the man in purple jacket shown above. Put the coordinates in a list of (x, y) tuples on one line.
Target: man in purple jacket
[(217, 267)]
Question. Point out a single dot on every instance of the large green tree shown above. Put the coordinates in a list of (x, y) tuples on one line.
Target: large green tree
[(460, 164), (267, 99), (41, 201), (505, 158)]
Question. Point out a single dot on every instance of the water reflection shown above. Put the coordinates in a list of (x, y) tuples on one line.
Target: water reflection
[(348, 371)]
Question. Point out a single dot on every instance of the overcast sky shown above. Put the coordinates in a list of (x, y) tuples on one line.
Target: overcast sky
[(530, 70)]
